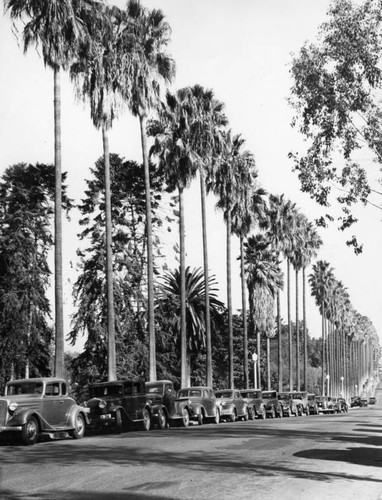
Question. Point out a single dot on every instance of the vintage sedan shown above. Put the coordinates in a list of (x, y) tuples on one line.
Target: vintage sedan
[(232, 405), (201, 404), (312, 404), (118, 405), (324, 404), (288, 404), (255, 403), (301, 400), (166, 409), (41, 406), (372, 400), (273, 405)]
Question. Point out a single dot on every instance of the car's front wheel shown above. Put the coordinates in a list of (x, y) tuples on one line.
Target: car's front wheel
[(79, 429), (246, 415), (233, 416), (162, 419), (29, 432), (217, 417), (146, 420), (185, 418), (201, 418), (118, 422)]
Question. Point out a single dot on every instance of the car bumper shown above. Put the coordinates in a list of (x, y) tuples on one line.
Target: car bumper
[(15, 428)]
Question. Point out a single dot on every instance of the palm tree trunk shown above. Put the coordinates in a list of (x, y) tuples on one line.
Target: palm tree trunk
[(229, 300), (244, 312), (297, 338), (150, 264), (280, 359), (206, 284), (268, 364), (112, 369), (289, 328), (59, 367), (304, 330), (258, 347), (323, 353), (183, 333)]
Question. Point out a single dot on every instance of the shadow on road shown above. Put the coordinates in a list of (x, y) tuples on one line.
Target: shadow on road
[(357, 456)]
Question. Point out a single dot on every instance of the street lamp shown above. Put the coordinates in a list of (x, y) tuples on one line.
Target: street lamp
[(254, 359), (356, 389), (342, 386), (327, 380)]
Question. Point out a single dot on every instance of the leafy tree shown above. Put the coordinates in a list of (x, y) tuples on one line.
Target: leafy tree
[(26, 213), (335, 94)]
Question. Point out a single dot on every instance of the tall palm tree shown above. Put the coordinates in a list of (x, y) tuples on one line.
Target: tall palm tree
[(146, 36), (280, 215), (170, 290), (247, 212), (58, 28), (264, 277), (321, 281), (206, 131), (94, 77), (179, 164)]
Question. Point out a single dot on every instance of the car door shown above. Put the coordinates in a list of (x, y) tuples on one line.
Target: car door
[(56, 404)]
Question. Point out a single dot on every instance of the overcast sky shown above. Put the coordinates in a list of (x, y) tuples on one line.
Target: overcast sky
[(242, 50)]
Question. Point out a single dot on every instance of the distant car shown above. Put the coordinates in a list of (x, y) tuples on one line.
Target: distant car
[(324, 404), (344, 405), (312, 408), (165, 407), (201, 404), (301, 400), (255, 403), (355, 401), (372, 401), (117, 405), (231, 404), (364, 402), (41, 406), (289, 406), (273, 405), (337, 405)]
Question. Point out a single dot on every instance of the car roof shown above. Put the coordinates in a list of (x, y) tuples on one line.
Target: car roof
[(37, 379), (159, 382), (115, 382)]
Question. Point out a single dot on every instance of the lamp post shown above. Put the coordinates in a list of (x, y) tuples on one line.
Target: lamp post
[(254, 359), (327, 382), (356, 389), (342, 386)]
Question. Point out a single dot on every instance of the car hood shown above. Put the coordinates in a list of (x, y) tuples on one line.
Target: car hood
[(224, 400)]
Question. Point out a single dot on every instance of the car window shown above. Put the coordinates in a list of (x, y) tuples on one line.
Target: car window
[(52, 389), (63, 389)]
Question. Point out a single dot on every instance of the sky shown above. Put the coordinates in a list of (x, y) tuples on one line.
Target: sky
[(242, 49)]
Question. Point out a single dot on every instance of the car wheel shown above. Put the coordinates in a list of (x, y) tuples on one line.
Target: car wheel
[(246, 415), (29, 432), (200, 418), (217, 417), (162, 419), (251, 414), (79, 429), (308, 410), (233, 416), (146, 420), (185, 418)]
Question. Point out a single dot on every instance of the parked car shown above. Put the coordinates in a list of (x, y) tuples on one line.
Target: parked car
[(324, 404), (312, 405), (288, 404), (344, 405), (273, 405), (301, 400), (165, 408), (231, 404), (41, 406), (372, 400), (255, 403), (364, 402), (337, 405), (118, 405), (355, 401), (201, 404)]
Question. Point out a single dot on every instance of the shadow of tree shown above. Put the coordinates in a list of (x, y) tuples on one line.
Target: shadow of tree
[(357, 456)]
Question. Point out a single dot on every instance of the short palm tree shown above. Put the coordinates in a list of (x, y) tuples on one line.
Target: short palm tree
[(58, 28), (170, 290)]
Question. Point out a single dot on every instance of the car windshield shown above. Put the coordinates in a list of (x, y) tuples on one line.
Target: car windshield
[(248, 395), (311, 398), (283, 396), (268, 395), (154, 389), (107, 390), (24, 388), (190, 393), (224, 394)]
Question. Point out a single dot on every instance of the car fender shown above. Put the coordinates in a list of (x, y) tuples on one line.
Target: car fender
[(74, 411)]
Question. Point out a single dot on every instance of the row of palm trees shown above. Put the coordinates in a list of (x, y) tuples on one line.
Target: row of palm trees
[(118, 60)]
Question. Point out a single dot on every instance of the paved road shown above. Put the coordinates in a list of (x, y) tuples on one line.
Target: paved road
[(317, 457)]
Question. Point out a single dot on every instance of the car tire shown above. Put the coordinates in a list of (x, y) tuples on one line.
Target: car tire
[(307, 411), (233, 417), (80, 427), (162, 419), (146, 423), (118, 422), (246, 416), (30, 431), (251, 414), (200, 418), (217, 417), (185, 421)]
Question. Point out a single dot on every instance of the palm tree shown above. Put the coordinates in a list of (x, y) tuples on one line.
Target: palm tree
[(57, 27), (264, 277), (178, 162), (321, 281), (170, 290), (247, 212), (206, 136), (145, 37), (94, 77), (280, 215)]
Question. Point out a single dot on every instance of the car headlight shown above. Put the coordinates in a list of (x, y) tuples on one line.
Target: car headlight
[(13, 406), (102, 404)]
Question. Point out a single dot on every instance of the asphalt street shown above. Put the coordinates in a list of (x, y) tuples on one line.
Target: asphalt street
[(316, 457)]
